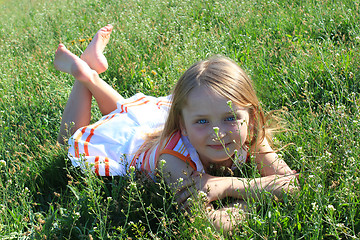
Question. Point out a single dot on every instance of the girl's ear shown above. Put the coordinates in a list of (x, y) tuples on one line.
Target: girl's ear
[(182, 127)]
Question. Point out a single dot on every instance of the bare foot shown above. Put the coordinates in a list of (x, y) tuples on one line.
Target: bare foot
[(68, 62), (93, 54)]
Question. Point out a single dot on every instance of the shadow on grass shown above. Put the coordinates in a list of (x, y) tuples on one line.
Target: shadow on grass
[(76, 205)]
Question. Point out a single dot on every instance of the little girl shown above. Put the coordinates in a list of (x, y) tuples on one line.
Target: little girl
[(212, 119)]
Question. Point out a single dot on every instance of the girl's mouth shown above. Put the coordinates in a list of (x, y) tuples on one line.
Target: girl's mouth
[(219, 146)]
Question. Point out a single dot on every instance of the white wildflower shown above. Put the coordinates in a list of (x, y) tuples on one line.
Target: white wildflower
[(202, 194), (216, 130), (315, 206), (331, 208), (340, 225), (162, 163), (229, 103), (132, 169), (3, 163)]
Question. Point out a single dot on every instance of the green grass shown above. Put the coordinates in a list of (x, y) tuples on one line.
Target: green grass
[(302, 55)]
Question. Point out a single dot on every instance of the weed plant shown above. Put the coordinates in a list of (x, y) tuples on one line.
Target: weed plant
[(302, 55)]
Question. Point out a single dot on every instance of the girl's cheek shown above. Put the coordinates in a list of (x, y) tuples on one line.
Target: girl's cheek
[(199, 129), (235, 127), (240, 131)]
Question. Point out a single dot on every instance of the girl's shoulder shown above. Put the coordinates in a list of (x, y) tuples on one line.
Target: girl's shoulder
[(173, 168)]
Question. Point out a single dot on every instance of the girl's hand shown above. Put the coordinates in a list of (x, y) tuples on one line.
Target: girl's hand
[(278, 184), (205, 186)]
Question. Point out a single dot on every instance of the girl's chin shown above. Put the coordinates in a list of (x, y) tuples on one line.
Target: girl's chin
[(223, 160), (218, 164)]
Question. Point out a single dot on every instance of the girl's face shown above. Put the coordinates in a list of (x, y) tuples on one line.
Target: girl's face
[(206, 110)]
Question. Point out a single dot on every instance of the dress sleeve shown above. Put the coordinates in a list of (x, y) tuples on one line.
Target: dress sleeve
[(176, 147)]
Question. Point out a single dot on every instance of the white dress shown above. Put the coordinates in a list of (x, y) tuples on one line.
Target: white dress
[(109, 145)]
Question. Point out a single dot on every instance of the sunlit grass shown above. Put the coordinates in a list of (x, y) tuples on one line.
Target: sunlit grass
[(302, 55)]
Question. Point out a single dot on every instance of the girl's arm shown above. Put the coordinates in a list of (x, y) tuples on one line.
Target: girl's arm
[(187, 182), (268, 162), (239, 188)]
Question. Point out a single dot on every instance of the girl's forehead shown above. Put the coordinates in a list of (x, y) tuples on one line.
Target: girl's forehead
[(202, 97), (203, 92)]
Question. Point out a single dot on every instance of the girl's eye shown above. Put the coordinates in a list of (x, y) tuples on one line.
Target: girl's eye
[(230, 119), (201, 121)]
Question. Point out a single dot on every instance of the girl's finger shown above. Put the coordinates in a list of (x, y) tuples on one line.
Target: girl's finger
[(186, 205), (196, 174), (181, 198), (183, 184), (184, 194), (191, 201)]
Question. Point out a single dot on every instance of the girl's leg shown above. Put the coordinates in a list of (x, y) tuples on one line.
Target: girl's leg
[(77, 112), (88, 82), (104, 94)]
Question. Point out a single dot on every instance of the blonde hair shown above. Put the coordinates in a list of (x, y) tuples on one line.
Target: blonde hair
[(226, 78)]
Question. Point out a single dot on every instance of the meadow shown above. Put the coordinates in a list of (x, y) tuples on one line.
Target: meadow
[(303, 57)]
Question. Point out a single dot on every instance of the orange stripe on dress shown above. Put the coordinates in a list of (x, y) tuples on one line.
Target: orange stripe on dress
[(133, 161), (139, 104), (107, 167), (168, 140), (125, 105), (97, 165), (144, 166), (163, 103), (148, 166), (180, 156), (181, 149), (173, 140), (76, 144), (86, 143)]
